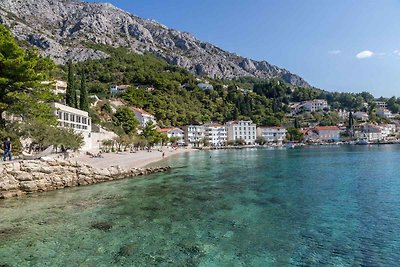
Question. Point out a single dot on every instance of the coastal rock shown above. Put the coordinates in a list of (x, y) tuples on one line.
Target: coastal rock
[(31, 176)]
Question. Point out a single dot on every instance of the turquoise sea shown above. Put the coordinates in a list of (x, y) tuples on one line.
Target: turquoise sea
[(317, 206)]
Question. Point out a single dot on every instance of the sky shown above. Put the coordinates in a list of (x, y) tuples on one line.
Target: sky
[(336, 45)]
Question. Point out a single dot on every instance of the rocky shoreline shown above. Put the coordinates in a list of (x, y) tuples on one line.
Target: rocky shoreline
[(25, 177)]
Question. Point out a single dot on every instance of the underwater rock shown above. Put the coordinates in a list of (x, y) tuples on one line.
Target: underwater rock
[(103, 226)]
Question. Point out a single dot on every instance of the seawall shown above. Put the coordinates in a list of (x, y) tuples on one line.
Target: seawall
[(24, 177)]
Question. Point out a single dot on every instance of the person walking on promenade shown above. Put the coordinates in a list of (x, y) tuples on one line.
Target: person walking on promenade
[(7, 147)]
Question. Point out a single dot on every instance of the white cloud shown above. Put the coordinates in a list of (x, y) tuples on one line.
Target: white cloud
[(334, 52), (396, 52), (365, 54)]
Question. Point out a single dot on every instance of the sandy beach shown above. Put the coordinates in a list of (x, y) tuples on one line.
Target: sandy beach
[(129, 160)]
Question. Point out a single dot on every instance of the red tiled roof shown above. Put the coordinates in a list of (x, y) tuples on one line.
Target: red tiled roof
[(141, 111), (214, 125), (165, 130), (327, 128), (272, 127)]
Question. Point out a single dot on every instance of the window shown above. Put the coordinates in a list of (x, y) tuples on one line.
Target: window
[(72, 117), (66, 117), (60, 115), (78, 119)]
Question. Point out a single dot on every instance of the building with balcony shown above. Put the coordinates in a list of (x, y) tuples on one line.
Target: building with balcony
[(216, 134), (241, 130)]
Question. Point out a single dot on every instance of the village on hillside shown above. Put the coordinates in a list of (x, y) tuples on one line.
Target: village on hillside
[(356, 127)]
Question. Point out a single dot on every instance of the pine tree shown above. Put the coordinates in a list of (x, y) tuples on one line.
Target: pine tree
[(83, 100), (71, 98), (351, 124)]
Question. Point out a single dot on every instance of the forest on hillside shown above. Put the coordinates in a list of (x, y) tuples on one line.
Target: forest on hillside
[(176, 100)]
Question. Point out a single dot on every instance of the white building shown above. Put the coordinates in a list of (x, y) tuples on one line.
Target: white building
[(363, 116), (205, 86), (373, 133), (384, 113), (241, 130), (118, 89), (381, 104), (194, 135), (272, 134), (57, 86), (216, 134), (315, 105), (177, 133), (75, 119), (143, 117)]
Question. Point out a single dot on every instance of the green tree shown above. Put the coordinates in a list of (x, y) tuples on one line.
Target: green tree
[(83, 99), (260, 140), (150, 133), (71, 97), (21, 73), (125, 118), (294, 134)]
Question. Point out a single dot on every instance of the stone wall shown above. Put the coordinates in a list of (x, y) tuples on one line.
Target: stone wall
[(19, 178)]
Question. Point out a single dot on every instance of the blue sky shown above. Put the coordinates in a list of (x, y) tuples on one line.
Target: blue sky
[(319, 40)]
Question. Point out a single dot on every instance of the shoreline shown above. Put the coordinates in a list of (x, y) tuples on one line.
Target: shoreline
[(139, 159)]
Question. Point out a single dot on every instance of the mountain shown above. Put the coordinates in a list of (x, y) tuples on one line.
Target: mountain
[(65, 29)]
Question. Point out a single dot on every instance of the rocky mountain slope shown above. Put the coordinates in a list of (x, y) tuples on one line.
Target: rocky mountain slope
[(64, 28)]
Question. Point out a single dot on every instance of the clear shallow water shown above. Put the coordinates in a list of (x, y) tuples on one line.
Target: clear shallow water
[(337, 206)]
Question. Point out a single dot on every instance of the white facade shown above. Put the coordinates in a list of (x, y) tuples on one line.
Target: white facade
[(373, 133), (241, 130), (315, 105), (384, 113), (205, 86), (216, 134), (75, 119), (272, 134), (381, 104), (57, 86), (117, 89), (363, 116), (179, 134), (143, 117), (194, 135)]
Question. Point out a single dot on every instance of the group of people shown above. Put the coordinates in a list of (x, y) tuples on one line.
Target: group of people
[(7, 148)]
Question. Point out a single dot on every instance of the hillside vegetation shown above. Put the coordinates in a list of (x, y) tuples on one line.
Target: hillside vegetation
[(172, 95)]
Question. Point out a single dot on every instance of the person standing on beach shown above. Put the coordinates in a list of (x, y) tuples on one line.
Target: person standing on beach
[(163, 154), (7, 147)]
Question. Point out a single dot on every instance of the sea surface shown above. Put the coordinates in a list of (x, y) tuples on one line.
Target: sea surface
[(317, 206)]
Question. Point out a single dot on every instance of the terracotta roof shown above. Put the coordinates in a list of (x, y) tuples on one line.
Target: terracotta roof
[(327, 128), (123, 86), (165, 130), (214, 125), (272, 127), (141, 111)]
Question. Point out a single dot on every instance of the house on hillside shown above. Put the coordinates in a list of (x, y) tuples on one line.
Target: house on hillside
[(315, 105), (241, 130), (272, 134), (143, 116), (216, 134), (205, 86), (57, 86), (362, 116), (118, 89), (179, 134), (385, 113)]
